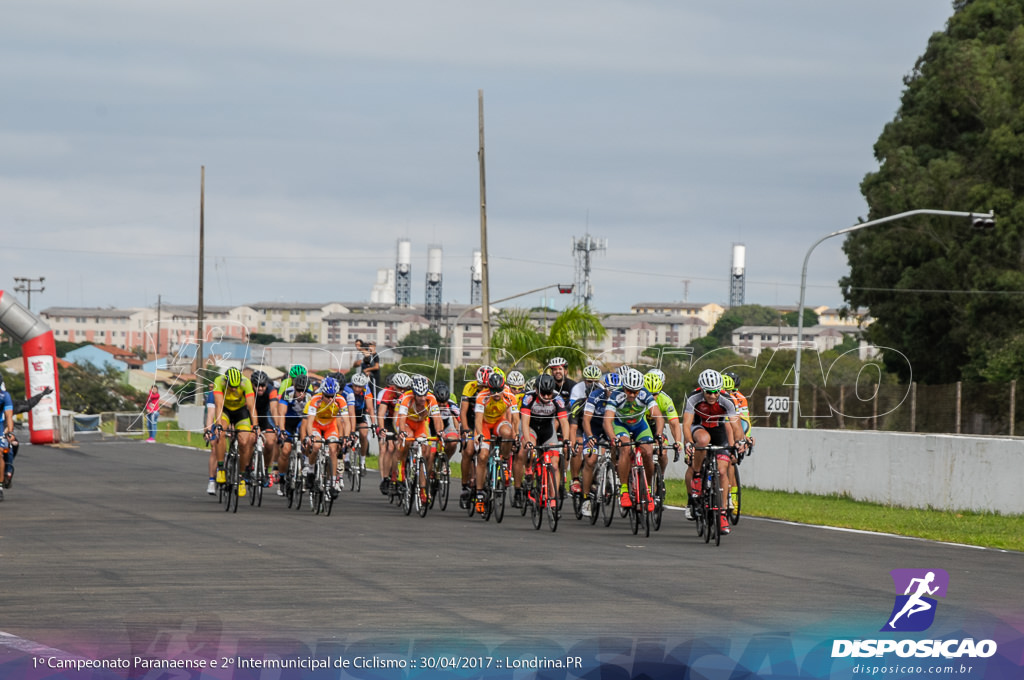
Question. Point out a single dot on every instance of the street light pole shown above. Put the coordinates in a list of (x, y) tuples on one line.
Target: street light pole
[(983, 220)]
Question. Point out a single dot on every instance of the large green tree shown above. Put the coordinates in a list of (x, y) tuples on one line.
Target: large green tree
[(947, 299)]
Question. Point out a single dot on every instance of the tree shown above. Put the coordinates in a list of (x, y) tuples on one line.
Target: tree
[(411, 346), (87, 389), (943, 295), (744, 315), (810, 318), (522, 341), (305, 336), (263, 338)]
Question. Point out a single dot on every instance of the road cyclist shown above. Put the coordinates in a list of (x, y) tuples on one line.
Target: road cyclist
[(326, 423), (626, 424), (388, 400), (496, 413), (545, 425), (362, 419), (709, 418), (234, 406)]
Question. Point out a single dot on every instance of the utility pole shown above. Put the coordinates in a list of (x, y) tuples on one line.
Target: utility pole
[(485, 302), (24, 285), (158, 303), (199, 316)]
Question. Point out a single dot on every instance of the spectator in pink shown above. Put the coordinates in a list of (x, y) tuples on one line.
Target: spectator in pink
[(152, 412)]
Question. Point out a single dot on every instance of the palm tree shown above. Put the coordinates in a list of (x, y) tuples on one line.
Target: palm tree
[(519, 338)]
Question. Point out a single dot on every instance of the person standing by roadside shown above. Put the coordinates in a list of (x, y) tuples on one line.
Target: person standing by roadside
[(370, 365), (152, 410)]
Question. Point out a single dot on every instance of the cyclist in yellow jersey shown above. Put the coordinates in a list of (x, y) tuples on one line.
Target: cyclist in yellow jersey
[(467, 422), (234, 405)]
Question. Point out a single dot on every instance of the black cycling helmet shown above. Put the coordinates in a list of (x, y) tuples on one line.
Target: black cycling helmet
[(259, 378), (546, 384), (442, 392), (301, 383), (496, 382), (735, 378)]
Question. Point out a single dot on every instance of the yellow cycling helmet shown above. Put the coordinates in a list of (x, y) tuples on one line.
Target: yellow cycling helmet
[(653, 382), (728, 384), (234, 377)]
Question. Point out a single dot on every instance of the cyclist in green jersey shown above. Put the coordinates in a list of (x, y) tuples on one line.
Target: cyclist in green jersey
[(654, 382)]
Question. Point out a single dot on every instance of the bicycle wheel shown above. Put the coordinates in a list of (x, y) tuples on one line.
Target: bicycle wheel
[(444, 482), (606, 493), (235, 476), (659, 496), (422, 488), (298, 485), (551, 504), (710, 513), (644, 513), (261, 480), (489, 494), (328, 498), (498, 496), (734, 511), (408, 491), (351, 474), (357, 471), (533, 499), (577, 504)]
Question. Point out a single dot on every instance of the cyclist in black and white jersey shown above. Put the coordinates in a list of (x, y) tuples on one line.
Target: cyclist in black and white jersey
[(545, 420)]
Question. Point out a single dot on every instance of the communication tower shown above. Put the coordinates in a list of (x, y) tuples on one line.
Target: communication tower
[(582, 248)]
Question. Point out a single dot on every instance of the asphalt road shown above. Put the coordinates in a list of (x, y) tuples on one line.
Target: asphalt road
[(116, 542)]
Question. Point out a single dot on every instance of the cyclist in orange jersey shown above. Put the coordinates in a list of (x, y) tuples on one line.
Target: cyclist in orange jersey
[(327, 415)]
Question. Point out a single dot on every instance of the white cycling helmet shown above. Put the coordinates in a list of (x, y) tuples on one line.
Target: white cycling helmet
[(402, 381), (623, 369), (360, 380), (710, 380), (633, 379), (515, 379)]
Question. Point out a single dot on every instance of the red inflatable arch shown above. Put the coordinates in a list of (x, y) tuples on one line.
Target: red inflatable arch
[(40, 355)]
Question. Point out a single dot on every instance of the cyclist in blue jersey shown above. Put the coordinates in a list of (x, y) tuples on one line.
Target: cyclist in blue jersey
[(293, 396), (362, 415), (595, 439), (625, 422)]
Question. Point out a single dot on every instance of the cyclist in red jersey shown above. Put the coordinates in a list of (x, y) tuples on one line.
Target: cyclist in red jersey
[(387, 405), (709, 419)]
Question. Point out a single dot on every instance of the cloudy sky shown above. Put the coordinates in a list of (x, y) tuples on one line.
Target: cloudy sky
[(330, 128)]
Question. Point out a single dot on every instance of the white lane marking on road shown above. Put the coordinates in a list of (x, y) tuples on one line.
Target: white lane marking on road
[(33, 648)]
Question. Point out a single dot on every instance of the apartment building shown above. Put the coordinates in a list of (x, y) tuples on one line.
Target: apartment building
[(708, 312), (157, 331)]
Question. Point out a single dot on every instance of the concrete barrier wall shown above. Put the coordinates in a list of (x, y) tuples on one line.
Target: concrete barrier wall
[(946, 472)]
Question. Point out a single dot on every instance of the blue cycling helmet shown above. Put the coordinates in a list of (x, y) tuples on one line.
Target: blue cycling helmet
[(612, 381), (329, 387)]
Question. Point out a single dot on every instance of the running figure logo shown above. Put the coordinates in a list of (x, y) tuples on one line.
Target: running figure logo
[(914, 610)]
